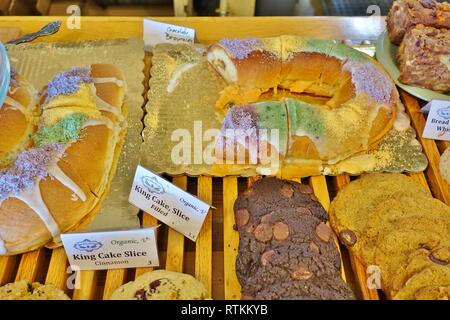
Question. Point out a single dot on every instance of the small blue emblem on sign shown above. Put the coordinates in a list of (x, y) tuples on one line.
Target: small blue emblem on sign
[(88, 245), (444, 112), (152, 184)]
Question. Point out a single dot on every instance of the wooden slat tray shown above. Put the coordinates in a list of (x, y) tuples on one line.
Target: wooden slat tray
[(212, 258)]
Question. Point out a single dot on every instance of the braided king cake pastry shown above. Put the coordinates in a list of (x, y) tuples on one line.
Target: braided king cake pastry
[(58, 154), (339, 102)]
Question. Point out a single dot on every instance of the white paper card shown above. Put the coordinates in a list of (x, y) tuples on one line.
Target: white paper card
[(168, 203), (438, 121), (112, 249), (159, 32)]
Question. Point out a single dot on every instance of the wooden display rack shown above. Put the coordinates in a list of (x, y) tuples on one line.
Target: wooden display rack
[(212, 258)]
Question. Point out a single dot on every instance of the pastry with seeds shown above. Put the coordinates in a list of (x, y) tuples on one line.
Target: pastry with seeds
[(433, 293), (26, 290), (162, 285)]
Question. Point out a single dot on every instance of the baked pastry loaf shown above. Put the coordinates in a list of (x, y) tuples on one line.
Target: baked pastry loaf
[(17, 118), (286, 250), (162, 285), (424, 58), (25, 290), (351, 84), (405, 14), (60, 181)]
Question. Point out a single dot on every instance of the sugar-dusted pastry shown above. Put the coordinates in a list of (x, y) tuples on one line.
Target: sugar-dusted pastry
[(162, 285), (58, 183), (357, 93), (405, 14), (26, 290), (253, 134), (424, 58)]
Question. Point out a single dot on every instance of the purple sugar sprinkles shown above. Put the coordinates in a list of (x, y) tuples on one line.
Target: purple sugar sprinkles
[(240, 48), (68, 82), (29, 167)]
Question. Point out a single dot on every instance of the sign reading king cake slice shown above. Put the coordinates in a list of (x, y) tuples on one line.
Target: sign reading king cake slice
[(168, 203), (112, 249)]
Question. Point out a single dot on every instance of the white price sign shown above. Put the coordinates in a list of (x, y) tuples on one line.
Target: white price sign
[(168, 203), (112, 249), (157, 32)]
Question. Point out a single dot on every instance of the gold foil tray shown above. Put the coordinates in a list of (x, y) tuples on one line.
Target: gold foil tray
[(182, 105)]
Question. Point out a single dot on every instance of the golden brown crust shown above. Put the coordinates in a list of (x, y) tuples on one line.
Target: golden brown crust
[(16, 123), (338, 75), (88, 162)]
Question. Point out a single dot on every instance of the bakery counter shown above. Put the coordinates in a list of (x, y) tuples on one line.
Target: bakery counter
[(211, 259), (210, 29)]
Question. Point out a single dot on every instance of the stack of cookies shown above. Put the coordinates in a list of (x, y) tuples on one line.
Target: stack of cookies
[(286, 250), (392, 222)]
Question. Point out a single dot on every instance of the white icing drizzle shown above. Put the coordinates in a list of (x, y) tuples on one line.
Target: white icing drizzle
[(173, 82), (105, 122), (15, 105), (106, 106), (3, 249), (59, 175), (402, 121), (33, 199), (13, 91), (116, 81), (98, 122)]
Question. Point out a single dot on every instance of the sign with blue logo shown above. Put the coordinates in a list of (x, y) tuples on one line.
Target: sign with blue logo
[(168, 203), (88, 245), (112, 249), (438, 121)]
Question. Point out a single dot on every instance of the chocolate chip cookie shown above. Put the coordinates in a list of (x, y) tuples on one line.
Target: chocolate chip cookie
[(403, 213), (433, 293), (436, 275), (269, 194), (390, 221), (286, 251), (350, 209), (162, 285), (285, 244), (418, 261), (26, 290), (322, 288)]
